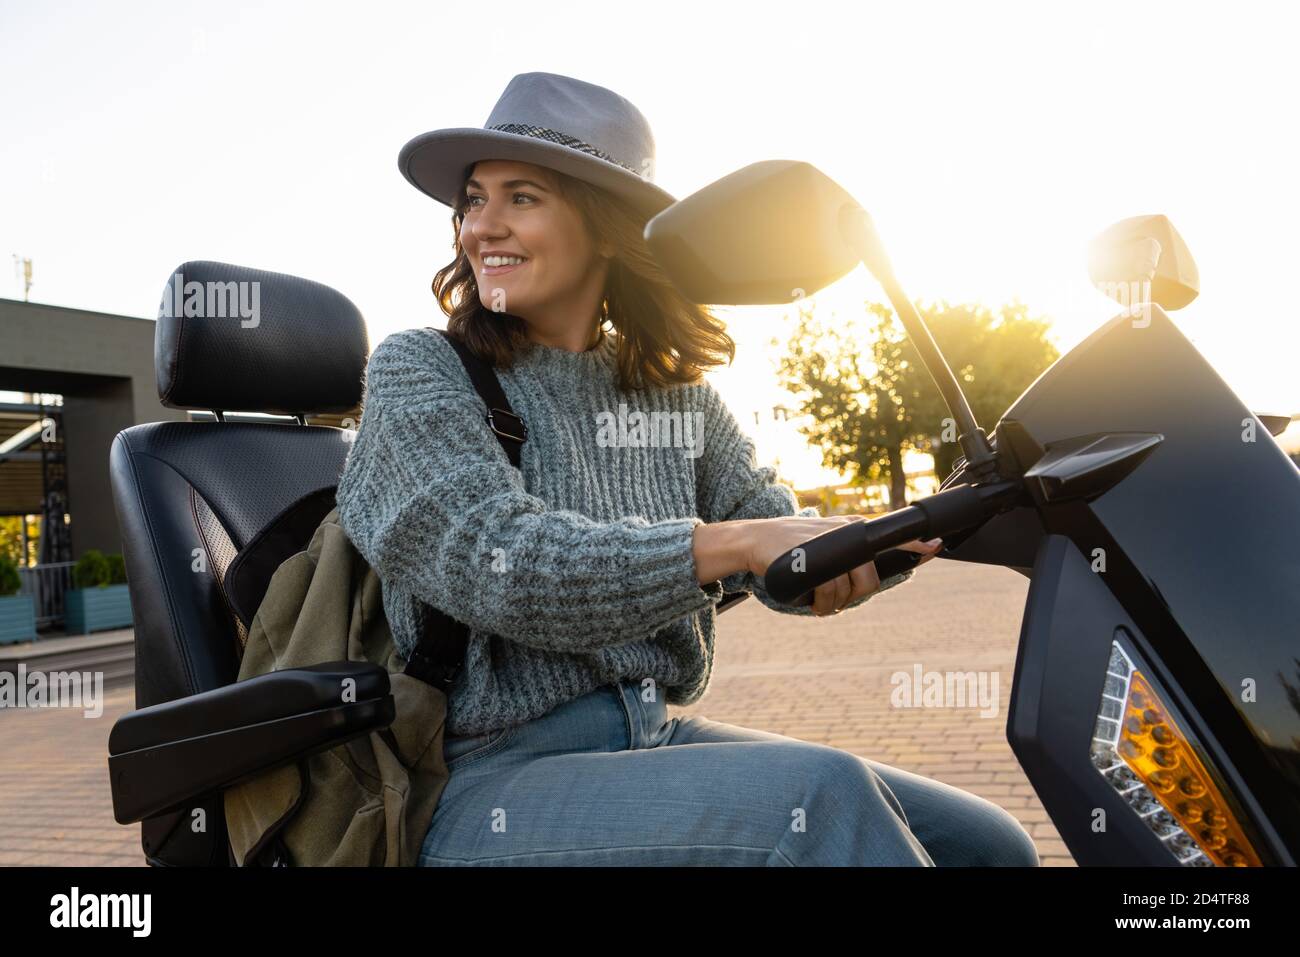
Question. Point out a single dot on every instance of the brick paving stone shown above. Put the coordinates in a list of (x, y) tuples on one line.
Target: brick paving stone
[(822, 680), (55, 805)]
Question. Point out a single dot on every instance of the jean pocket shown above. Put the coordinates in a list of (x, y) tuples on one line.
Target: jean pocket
[(459, 751)]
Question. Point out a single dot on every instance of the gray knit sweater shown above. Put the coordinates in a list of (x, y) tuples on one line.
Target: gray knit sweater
[(580, 570)]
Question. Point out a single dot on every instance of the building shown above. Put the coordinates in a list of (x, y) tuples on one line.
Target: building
[(70, 381)]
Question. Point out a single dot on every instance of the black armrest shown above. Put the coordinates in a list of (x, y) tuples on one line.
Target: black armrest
[(163, 756)]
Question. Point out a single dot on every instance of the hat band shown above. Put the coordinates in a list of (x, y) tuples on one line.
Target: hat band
[(563, 139)]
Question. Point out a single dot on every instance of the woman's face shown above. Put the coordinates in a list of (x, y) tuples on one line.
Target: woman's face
[(515, 209)]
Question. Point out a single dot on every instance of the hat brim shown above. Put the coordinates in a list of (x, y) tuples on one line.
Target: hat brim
[(435, 163)]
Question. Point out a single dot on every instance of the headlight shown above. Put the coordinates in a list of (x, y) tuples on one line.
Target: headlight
[(1150, 762)]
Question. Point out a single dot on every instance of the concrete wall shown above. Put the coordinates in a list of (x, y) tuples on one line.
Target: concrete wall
[(102, 364), (91, 420)]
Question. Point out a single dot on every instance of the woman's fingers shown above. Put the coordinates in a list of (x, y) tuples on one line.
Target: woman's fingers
[(823, 598), (929, 548), (829, 597), (865, 581), (844, 593), (832, 597), (917, 545)]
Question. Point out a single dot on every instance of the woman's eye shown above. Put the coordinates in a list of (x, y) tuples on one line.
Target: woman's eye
[(470, 204)]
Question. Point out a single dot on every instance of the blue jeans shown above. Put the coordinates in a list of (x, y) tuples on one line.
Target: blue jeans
[(608, 779)]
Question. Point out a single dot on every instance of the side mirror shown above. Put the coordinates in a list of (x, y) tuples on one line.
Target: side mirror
[(765, 234), (1126, 256)]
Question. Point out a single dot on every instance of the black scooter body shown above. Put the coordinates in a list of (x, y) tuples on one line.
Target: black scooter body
[(1201, 586)]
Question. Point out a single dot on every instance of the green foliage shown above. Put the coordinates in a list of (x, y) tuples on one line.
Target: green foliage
[(92, 570), (10, 581), (11, 537), (996, 357), (116, 569), (870, 398)]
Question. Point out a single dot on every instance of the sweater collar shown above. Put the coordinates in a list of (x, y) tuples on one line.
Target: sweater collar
[(602, 354)]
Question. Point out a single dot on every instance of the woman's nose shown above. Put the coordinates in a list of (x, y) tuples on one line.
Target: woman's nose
[(489, 223)]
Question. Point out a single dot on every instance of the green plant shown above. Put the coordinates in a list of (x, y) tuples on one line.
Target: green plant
[(10, 581), (116, 569), (92, 570)]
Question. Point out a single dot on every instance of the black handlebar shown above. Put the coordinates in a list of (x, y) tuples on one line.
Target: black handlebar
[(888, 564), (792, 577)]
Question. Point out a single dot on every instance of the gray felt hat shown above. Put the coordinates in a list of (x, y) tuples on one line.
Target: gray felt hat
[(578, 128)]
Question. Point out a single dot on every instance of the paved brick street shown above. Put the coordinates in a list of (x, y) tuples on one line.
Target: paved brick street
[(55, 806), (823, 680)]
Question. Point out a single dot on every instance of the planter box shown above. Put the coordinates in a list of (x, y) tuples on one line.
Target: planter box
[(94, 609), (17, 619)]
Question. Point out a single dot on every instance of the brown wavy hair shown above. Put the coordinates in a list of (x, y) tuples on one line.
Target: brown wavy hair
[(664, 338)]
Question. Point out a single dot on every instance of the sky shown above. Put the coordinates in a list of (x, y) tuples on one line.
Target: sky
[(989, 141)]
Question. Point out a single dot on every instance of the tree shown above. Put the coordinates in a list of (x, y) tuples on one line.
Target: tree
[(995, 356), (870, 400)]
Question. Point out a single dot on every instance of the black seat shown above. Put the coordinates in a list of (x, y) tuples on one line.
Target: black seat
[(190, 495)]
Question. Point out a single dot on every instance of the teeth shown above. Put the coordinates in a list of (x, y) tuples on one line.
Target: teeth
[(502, 260)]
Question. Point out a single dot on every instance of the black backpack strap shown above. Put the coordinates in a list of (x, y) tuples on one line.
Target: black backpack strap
[(438, 655), (509, 428)]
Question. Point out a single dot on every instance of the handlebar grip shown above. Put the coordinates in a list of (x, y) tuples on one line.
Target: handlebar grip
[(893, 561), (833, 553), (788, 576), (889, 563)]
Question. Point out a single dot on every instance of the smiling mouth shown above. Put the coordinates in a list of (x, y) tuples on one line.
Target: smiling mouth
[(498, 270)]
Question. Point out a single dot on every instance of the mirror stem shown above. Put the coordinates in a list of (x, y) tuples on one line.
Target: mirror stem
[(858, 229)]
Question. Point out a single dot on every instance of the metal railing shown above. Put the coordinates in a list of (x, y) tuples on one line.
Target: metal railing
[(47, 585)]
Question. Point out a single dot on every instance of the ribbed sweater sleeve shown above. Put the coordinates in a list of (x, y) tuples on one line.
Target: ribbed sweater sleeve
[(733, 485), (431, 501)]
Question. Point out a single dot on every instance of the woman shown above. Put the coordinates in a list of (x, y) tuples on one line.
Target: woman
[(589, 577)]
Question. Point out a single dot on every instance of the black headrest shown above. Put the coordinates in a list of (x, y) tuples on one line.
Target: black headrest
[(231, 338)]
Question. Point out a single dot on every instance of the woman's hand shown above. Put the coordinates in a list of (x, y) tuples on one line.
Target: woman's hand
[(770, 538)]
